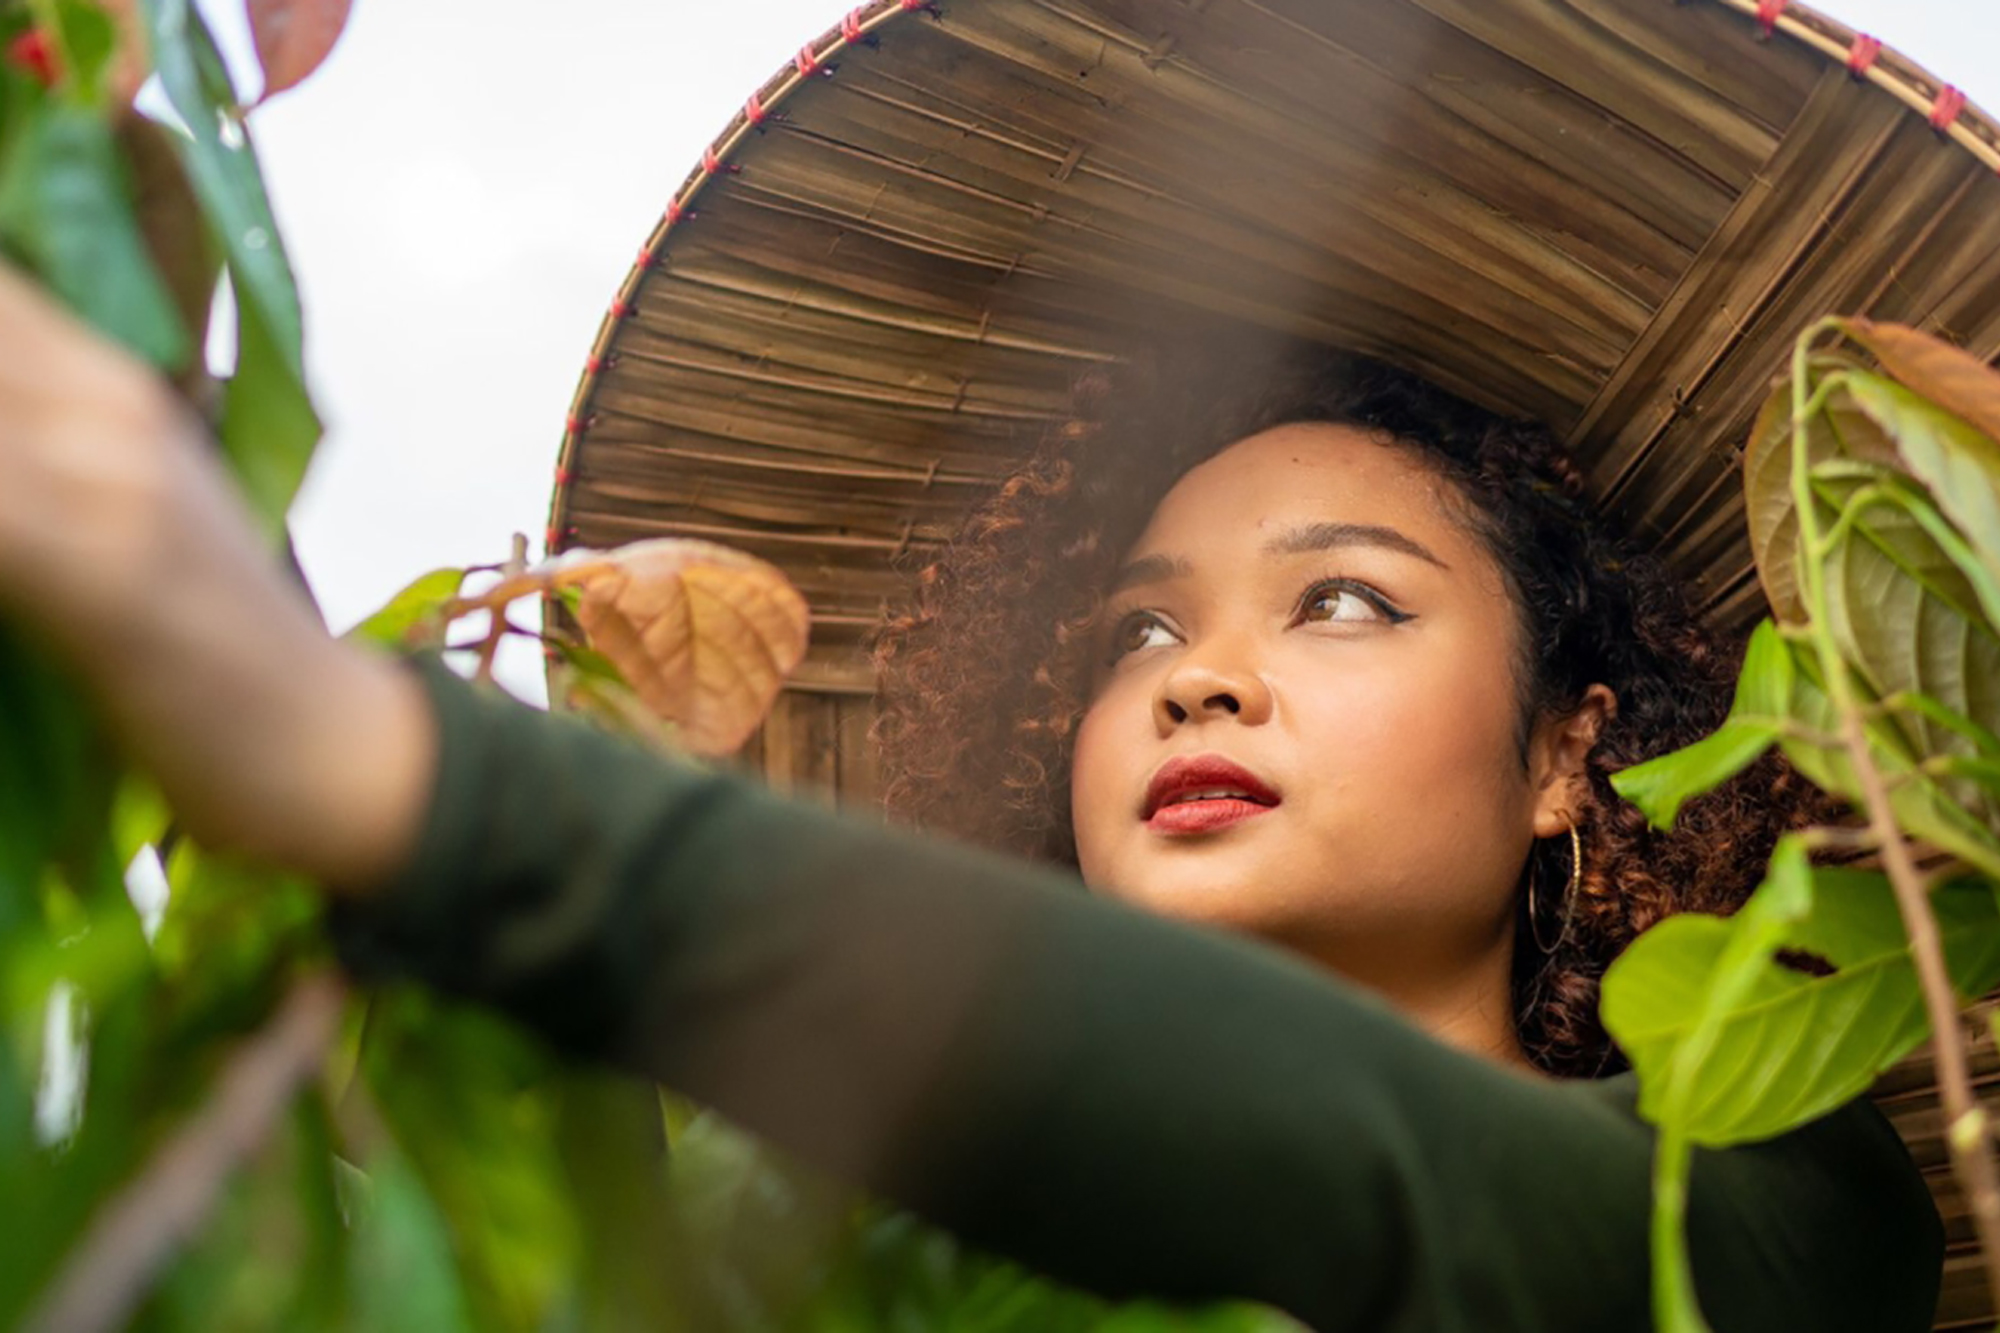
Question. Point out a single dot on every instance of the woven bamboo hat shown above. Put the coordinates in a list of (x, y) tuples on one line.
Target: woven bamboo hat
[(875, 291)]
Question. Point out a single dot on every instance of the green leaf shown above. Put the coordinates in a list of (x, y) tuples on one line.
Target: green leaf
[(66, 212), (1793, 1046), (86, 39), (229, 937), (222, 164), (1922, 807), (1731, 1047), (613, 1146), (1978, 576), (414, 617), (1903, 612), (469, 1102), (139, 817), (1982, 741), (404, 1277), (1959, 464), (1984, 772), (1659, 787), (1668, 1015), (268, 425), (269, 428), (1838, 431)]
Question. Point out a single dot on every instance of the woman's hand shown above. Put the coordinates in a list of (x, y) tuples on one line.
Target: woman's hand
[(93, 448), (125, 547)]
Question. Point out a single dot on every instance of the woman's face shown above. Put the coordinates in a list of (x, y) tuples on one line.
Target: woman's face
[(1307, 622)]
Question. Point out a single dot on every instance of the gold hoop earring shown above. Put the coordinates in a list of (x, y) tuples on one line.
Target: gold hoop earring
[(1569, 894)]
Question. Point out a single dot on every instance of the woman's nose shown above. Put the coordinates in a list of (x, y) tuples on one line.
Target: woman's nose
[(1208, 685)]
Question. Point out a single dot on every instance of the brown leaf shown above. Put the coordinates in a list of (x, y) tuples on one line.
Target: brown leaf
[(1949, 376), (293, 37), (1767, 494), (176, 233), (1840, 428), (703, 634)]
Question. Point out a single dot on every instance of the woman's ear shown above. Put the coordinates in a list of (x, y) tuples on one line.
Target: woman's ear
[(1556, 760)]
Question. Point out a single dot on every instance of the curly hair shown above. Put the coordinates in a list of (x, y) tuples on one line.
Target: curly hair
[(984, 679)]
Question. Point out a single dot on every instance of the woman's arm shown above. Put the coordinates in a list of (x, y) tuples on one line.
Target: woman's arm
[(1120, 1100)]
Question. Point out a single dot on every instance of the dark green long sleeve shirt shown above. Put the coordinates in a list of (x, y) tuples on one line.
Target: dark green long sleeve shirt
[(1122, 1101)]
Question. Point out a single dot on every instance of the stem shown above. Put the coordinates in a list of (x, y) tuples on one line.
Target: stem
[(517, 565), (1966, 1129), (1850, 515), (1671, 1273), (108, 1273), (1830, 838)]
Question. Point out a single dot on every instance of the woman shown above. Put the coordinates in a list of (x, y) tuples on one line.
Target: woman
[(1119, 1098), (1552, 657)]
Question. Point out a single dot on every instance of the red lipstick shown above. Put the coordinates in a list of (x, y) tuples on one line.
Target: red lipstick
[(1203, 793)]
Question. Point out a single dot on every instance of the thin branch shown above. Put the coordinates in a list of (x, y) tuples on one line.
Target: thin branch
[(1967, 1131), (112, 1268), (1966, 1127), (517, 565), (1832, 838)]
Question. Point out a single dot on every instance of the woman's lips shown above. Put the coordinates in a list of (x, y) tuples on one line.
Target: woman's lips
[(1201, 793), (1204, 816)]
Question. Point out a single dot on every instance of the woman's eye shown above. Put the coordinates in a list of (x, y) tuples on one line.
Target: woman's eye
[(1343, 603), (1136, 631)]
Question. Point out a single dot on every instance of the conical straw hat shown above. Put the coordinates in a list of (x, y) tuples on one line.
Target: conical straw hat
[(875, 291)]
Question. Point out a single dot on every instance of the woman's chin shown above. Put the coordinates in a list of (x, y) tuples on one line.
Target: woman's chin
[(1251, 896)]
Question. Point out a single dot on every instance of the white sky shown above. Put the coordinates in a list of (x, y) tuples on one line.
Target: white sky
[(464, 186)]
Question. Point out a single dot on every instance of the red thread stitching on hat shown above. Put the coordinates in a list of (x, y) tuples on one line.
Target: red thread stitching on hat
[(850, 27), (1861, 58), (709, 161), (574, 425), (1769, 11), (674, 212), (562, 479), (754, 110), (619, 310), (593, 366), (1950, 101), (807, 62)]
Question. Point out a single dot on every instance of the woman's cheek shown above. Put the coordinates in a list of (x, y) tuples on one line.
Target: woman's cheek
[(1094, 780)]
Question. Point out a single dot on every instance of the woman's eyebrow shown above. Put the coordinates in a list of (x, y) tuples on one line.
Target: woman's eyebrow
[(1150, 569), (1331, 536)]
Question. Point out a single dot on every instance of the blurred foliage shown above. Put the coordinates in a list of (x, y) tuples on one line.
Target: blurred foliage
[(210, 1161)]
